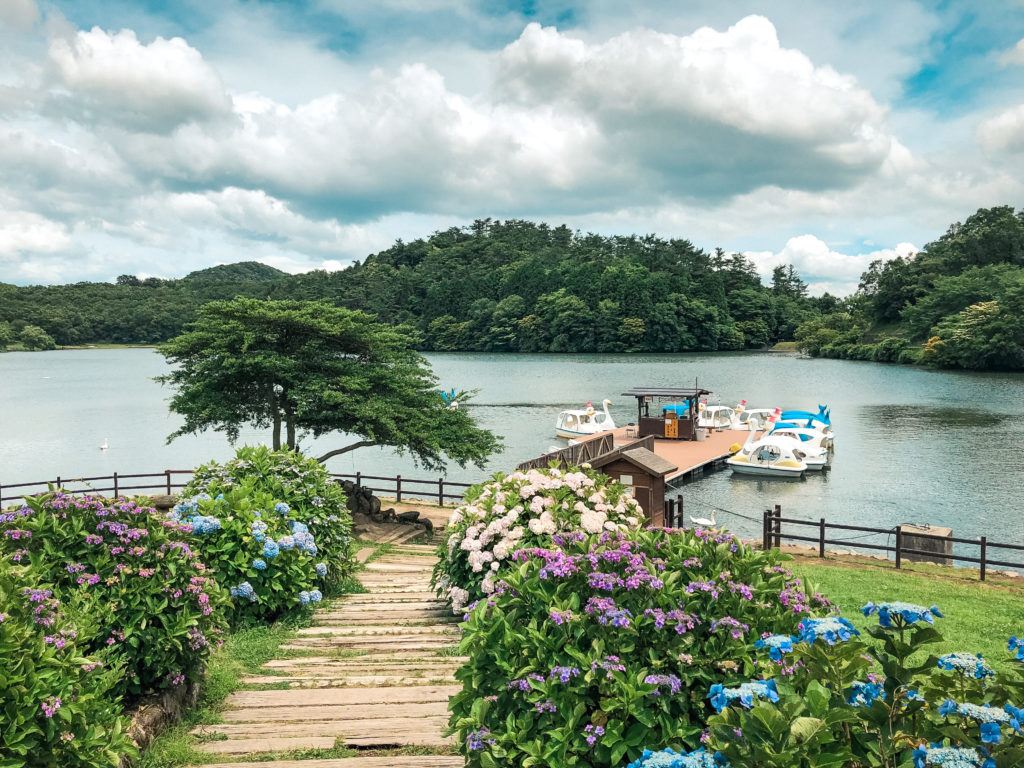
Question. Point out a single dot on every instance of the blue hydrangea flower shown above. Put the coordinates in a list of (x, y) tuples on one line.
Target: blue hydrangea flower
[(286, 542), (777, 645), (259, 564), (951, 757), (907, 612), (204, 524), (967, 664), (281, 508), (832, 630), (321, 570), (315, 596), (1017, 644), (478, 739), (669, 758), (989, 718), (864, 694), (746, 693), (304, 597), (270, 549), (244, 591), (297, 527)]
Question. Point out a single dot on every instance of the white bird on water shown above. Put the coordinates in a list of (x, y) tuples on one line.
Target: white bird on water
[(104, 445), (705, 522)]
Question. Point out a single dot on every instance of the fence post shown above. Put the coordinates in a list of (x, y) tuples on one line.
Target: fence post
[(167, 474), (57, 484), (821, 537), (899, 546), (766, 543), (440, 491), (116, 493), (359, 479), (984, 551), (778, 526), (398, 487)]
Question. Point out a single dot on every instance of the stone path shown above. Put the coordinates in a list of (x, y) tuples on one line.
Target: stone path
[(373, 672)]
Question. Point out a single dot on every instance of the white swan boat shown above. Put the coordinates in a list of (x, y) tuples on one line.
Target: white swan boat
[(756, 419), (585, 421), (720, 416), (769, 457), (813, 442)]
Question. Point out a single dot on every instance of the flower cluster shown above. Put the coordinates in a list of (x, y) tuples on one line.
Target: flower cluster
[(951, 757), (746, 693), (777, 645), (904, 613), (525, 509), (864, 694), (832, 630), (669, 758), (989, 718), (967, 664)]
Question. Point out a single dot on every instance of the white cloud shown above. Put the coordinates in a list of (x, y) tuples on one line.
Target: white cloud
[(18, 14), (821, 267), (113, 77), (23, 233), (1014, 56), (1004, 132)]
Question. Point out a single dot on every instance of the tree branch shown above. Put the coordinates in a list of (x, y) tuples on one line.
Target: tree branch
[(346, 449)]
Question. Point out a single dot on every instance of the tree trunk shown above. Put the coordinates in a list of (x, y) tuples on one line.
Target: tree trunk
[(277, 422), (289, 420), (346, 449)]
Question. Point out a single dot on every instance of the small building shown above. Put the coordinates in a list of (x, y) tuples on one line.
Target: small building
[(644, 472), (668, 413)]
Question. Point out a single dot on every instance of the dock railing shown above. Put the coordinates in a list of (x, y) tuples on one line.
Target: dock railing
[(170, 481), (773, 534)]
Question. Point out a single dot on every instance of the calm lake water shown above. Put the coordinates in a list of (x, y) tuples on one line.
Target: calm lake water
[(911, 445)]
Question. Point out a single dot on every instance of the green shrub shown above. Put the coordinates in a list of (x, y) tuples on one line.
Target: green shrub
[(312, 495), (57, 707), (885, 701), (157, 609), (269, 561), (523, 509), (599, 646)]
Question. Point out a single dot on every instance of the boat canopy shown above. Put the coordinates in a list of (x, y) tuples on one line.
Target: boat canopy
[(823, 416)]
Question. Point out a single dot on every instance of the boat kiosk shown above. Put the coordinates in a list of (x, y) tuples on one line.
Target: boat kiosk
[(667, 413)]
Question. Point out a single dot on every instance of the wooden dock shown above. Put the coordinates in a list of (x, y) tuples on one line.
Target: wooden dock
[(694, 458)]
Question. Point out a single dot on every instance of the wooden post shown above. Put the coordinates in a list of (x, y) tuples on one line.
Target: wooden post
[(778, 526), (766, 543), (440, 491), (116, 492), (821, 537), (167, 473), (398, 488), (57, 484), (984, 552), (359, 479), (899, 546)]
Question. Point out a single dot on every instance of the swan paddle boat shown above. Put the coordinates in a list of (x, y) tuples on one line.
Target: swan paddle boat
[(585, 421), (720, 416), (769, 457)]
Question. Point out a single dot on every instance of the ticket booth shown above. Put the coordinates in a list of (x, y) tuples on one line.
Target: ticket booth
[(668, 413)]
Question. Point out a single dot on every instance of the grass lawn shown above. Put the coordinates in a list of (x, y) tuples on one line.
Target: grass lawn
[(979, 617)]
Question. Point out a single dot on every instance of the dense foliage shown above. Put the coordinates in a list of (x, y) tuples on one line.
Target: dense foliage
[(843, 699), (301, 484), (315, 368), (501, 286), (157, 611), (268, 560), (959, 303), (523, 509), (57, 706), (597, 646)]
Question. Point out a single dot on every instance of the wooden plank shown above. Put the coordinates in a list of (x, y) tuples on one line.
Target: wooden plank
[(334, 696), (336, 681), (365, 554), (375, 630), (386, 761), (342, 711), (390, 727)]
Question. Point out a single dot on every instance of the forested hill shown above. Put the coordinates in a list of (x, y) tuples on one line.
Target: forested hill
[(493, 286), (958, 303)]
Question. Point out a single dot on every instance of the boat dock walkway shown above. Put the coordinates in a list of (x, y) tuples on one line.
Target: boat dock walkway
[(694, 458)]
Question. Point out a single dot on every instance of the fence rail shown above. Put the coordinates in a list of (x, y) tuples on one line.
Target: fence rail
[(170, 480), (773, 534)]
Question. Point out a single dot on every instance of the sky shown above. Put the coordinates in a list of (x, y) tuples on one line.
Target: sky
[(157, 137)]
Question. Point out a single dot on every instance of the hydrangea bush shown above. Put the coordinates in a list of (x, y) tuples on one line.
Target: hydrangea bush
[(302, 483), (269, 561), (846, 699), (158, 610), (524, 509), (56, 704), (597, 646)]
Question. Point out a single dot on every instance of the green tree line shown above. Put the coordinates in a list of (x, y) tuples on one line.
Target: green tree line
[(492, 286), (958, 303)]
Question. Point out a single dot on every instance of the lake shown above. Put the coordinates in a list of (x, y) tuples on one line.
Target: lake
[(912, 445)]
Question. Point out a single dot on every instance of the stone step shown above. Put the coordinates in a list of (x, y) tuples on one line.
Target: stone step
[(424, 596), (397, 722), (376, 630), (338, 681), (385, 761), (381, 661), (382, 643), (336, 712)]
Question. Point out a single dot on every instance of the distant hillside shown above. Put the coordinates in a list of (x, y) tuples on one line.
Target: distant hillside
[(495, 285)]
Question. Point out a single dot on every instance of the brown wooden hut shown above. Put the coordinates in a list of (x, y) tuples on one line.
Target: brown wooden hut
[(642, 470)]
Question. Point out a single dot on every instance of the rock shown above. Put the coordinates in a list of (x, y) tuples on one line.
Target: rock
[(408, 517), (163, 501)]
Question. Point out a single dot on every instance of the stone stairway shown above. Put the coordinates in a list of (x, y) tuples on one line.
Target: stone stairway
[(374, 671)]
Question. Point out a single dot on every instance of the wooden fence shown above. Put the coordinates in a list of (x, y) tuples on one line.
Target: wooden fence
[(818, 532), (171, 480)]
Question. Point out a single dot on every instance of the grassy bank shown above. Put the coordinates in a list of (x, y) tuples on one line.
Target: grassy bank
[(979, 617)]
